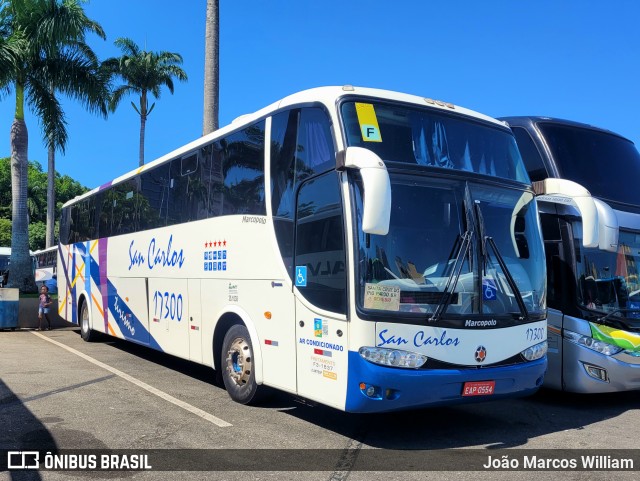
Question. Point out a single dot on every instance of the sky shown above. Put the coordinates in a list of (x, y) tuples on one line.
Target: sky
[(572, 59)]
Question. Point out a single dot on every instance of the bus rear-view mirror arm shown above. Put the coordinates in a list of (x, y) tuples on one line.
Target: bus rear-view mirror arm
[(566, 192), (376, 185)]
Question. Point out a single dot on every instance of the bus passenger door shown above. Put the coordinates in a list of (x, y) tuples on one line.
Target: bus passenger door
[(195, 321), (321, 292), (169, 316)]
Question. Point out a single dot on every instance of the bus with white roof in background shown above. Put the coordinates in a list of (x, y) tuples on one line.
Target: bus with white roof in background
[(587, 181), (364, 249)]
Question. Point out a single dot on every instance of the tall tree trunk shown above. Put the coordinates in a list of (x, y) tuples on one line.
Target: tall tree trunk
[(21, 268), (143, 124), (211, 68), (51, 197)]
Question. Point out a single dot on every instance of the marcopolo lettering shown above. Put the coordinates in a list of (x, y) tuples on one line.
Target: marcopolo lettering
[(253, 219), (483, 323)]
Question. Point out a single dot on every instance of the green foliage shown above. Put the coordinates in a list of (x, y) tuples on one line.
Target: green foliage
[(37, 235), (5, 232), (66, 189)]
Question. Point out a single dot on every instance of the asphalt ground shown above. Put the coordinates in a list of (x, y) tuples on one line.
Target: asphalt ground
[(63, 395)]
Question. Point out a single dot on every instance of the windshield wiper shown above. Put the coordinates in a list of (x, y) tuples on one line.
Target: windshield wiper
[(510, 280), (503, 265), (625, 324), (447, 294)]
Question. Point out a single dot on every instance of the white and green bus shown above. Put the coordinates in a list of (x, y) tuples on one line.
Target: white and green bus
[(587, 180), (365, 249)]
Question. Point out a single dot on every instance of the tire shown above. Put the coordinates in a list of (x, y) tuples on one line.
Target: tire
[(237, 367), (86, 332)]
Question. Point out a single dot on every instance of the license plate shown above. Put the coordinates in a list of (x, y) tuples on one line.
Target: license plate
[(478, 388)]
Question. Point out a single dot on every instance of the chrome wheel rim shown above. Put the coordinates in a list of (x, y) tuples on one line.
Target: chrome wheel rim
[(239, 362)]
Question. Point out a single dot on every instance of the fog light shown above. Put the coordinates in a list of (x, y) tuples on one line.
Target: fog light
[(371, 391), (596, 372)]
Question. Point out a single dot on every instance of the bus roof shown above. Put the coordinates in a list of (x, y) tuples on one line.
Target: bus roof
[(48, 249), (325, 95), (527, 120)]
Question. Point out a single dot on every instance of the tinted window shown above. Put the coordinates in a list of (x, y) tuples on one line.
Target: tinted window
[(320, 242), (118, 215), (154, 187), (186, 191), (398, 133), (530, 155), (211, 175), (301, 145), (223, 177), (243, 170), (600, 161)]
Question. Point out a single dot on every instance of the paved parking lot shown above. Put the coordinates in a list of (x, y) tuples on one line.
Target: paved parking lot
[(60, 393)]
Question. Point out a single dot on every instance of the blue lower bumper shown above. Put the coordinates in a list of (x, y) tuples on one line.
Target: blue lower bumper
[(408, 388)]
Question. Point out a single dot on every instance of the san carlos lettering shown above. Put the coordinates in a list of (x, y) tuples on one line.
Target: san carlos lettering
[(420, 339), (156, 255)]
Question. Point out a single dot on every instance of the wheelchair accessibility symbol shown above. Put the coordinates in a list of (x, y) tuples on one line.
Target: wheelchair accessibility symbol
[(301, 276), (489, 290)]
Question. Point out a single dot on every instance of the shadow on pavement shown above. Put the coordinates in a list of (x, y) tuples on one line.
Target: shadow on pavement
[(500, 424)]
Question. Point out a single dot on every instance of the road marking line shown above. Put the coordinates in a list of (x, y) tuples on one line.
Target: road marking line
[(161, 394)]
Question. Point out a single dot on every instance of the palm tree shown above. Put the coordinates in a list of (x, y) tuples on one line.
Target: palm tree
[(211, 68), (144, 73), (47, 41)]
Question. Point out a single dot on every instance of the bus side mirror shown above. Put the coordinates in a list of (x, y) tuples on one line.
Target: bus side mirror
[(566, 192), (608, 227), (376, 185)]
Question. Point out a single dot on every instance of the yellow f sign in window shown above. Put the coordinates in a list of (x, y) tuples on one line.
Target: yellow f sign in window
[(368, 123)]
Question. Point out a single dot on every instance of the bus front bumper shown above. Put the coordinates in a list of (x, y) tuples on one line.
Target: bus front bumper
[(396, 388), (588, 371)]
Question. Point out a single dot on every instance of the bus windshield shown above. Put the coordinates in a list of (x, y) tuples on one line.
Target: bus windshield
[(594, 158), (397, 133), (424, 258), (608, 281)]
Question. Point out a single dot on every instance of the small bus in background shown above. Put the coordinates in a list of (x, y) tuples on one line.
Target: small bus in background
[(365, 249), (46, 262), (588, 181)]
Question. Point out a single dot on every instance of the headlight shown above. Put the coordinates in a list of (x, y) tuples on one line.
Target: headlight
[(591, 343), (392, 357), (535, 352)]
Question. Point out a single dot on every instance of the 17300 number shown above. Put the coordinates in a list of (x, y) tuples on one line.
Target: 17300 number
[(167, 305)]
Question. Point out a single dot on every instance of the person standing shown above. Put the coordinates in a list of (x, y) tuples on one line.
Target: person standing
[(43, 308)]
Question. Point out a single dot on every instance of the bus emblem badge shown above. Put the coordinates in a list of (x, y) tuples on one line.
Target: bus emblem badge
[(481, 354)]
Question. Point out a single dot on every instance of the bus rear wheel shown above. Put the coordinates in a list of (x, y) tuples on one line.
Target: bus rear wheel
[(86, 332), (237, 365)]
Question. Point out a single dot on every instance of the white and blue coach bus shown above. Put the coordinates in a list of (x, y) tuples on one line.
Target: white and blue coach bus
[(365, 249)]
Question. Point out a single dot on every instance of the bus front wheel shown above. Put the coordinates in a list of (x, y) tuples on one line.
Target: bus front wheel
[(238, 366)]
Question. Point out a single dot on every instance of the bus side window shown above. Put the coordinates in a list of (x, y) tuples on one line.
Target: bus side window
[(154, 190), (243, 169), (210, 176), (320, 242)]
